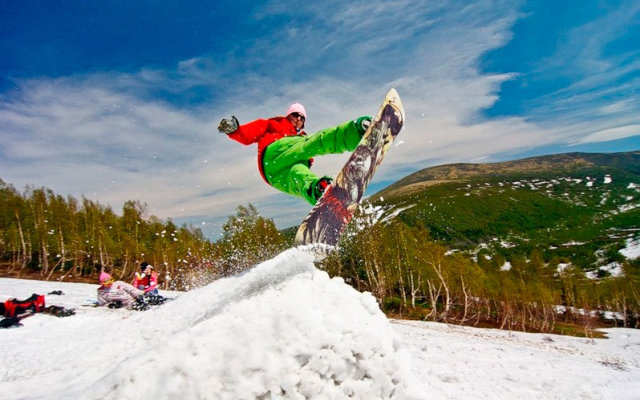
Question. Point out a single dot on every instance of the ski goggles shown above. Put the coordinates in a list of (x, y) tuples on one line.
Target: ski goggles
[(298, 115), (107, 282)]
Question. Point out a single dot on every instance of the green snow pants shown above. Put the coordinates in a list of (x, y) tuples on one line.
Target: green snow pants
[(286, 161)]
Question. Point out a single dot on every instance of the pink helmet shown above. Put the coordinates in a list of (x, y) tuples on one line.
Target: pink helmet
[(296, 108), (104, 277)]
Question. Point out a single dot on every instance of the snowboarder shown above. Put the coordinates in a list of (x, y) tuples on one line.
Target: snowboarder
[(285, 152)]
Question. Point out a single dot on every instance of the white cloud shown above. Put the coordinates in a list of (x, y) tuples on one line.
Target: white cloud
[(606, 135), (77, 137), (624, 106)]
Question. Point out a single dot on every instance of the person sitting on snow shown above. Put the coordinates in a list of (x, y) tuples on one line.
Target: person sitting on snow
[(147, 279), (117, 294), (285, 151)]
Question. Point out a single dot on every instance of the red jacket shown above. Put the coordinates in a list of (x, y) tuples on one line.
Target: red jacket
[(145, 282), (14, 307), (264, 132)]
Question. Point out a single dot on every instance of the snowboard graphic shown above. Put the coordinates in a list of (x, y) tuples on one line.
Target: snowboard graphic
[(334, 210)]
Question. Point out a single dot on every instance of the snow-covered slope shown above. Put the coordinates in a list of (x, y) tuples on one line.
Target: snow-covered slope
[(282, 330), (286, 330)]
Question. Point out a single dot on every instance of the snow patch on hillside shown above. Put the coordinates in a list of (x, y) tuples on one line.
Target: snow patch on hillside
[(632, 248)]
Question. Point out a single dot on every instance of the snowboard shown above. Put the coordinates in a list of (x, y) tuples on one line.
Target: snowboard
[(331, 214)]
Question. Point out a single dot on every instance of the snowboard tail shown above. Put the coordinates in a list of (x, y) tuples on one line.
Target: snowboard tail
[(328, 218)]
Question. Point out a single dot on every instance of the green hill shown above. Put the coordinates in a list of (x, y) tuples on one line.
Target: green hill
[(578, 206)]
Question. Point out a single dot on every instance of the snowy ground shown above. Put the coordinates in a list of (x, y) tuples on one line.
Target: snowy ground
[(285, 330)]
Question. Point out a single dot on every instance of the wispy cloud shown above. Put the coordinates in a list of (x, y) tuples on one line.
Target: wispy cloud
[(599, 63), (606, 135)]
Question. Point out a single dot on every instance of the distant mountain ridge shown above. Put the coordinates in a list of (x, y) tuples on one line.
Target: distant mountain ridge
[(565, 162)]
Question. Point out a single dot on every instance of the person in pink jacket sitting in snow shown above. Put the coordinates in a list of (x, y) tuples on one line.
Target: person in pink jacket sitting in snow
[(116, 294)]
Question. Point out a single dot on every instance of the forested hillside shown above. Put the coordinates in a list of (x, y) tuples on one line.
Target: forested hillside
[(582, 207)]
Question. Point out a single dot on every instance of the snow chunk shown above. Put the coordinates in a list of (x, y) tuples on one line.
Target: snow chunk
[(627, 207), (573, 243), (632, 249), (563, 267), (506, 244), (614, 269)]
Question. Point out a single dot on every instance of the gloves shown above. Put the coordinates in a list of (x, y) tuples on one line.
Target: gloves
[(363, 123), (228, 126)]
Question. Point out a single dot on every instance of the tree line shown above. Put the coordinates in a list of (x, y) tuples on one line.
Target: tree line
[(414, 276), (54, 237)]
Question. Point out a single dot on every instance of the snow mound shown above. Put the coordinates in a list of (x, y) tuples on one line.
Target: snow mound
[(282, 330)]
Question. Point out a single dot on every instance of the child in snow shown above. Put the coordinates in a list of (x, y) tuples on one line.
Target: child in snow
[(116, 294), (147, 279), (285, 151)]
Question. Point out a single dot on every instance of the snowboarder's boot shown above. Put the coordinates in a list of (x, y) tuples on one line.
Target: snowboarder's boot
[(318, 187)]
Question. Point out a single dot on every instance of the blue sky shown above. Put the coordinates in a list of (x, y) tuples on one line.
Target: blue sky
[(119, 100)]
